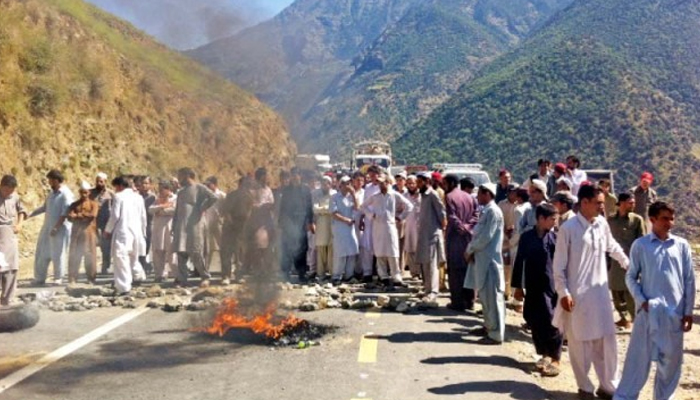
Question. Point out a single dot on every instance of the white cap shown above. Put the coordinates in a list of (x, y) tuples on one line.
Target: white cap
[(540, 185), (84, 185), (491, 187), (102, 175)]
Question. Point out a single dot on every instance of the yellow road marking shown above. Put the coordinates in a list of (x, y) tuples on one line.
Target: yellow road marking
[(373, 314), (364, 398), (368, 350)]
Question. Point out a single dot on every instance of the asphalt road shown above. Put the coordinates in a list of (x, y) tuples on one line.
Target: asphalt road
[(379, 356)]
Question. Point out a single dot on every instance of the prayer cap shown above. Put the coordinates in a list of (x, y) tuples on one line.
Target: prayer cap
[(565, 181), (84, 185), (541, 186), (491, 187), (102, 175)]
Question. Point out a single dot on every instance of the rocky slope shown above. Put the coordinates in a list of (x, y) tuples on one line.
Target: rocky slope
[(616, 84)]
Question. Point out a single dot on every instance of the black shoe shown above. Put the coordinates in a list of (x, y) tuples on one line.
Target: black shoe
[(487, 341), (455, 308), (367, 279), (584, 395), (602, 394), (480, 331)]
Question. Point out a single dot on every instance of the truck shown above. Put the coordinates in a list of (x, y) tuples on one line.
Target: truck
[(372, 152), (314, 162), (473, 171)]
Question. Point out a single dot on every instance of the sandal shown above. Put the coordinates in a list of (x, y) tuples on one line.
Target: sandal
[(551, 370), (542, 363)]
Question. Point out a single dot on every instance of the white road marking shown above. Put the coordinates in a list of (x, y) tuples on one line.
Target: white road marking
[(31, 369)]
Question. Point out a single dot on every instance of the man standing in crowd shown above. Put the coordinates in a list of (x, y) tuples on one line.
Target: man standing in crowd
[(260, 227), (144, 187), (532, 272), (55, 233), (83, 240), (103, 196), (538, 196), (610, 199), (559, 171), (504, 179), (127, 229), (381, 209), (236, 210), (367, 224), (12, 214), (564, 203), (577, 176), (584, 312), (644, 196), (626, 227), (346, 246), (461, 220), (214, 223), (662, 280), (162, 211), (296, 218), (485, 273), (432, 222), (411, 227), (189, 225), (507, 207), (322, 223)]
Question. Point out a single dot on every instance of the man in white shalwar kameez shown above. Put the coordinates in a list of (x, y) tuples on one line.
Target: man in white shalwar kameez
[(381, 209), (585, 312), (127, 228), (662, 281), (346, 247), (55, 233), (485, 272), (367, 241)]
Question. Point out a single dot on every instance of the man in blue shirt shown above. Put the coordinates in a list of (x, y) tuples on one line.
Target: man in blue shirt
[(662, 282)]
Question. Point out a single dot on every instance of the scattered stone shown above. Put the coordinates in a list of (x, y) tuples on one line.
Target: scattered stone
[(155, 291), (173, 304), (309, 306), (129, 304), (107, 291), (156, 303), (210, 292), (383, 300), (75, 307), (424, 305), (57, 306), (361, 304), (83, 290), (287, 305), (312, 292), (403, 307), (334, 304), (140, 295), (197, 306)]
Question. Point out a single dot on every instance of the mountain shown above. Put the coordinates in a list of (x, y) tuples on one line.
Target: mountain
[(616, 83), (84, 92), (345, 69)]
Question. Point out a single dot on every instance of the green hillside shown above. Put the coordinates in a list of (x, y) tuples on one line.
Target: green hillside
[(615, 83)]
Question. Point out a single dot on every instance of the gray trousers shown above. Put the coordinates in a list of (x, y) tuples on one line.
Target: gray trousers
[(493, 305), (431, 276), (8, 284), (197, 260)]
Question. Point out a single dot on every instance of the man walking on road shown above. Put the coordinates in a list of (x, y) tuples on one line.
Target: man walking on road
[(431, 223), (662, 281), (127, 229), (12, 214), (55, 233), (461, 221), (485, 273), (189, 225), (584, 313)]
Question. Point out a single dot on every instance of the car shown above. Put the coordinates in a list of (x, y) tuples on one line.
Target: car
[(473, 171)]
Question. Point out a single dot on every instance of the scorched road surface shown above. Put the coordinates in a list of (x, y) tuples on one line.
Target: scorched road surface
[(378, 356)]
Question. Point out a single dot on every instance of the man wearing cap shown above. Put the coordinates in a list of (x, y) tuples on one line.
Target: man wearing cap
[(644, 196), (12, 214), (610, 199), (558, 172), (626, 227), (83, 240), (400, 187), (462, 216), (381, 209), (507, 207), (103, 196), (346, 246), (538, 195), (564, 203), (485, 273), (322, 221), (367, 224), (431, 223), (55, 233)]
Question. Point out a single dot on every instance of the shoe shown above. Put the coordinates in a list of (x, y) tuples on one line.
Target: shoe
[(225, 282), (584, 395), (367, 279), (58, 282), (551, 370), (455, 308), (204, 284), (431, 297), (624, 324), (480, 331), (487, 341), (337, 282), (602, 394), (542, 363)]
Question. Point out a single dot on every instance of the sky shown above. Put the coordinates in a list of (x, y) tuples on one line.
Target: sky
[(186, 24)]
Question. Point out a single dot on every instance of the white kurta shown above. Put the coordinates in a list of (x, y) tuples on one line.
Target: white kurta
[(366, 240), (52, 247), (381, 210), (410, 240), (345, 242), (127, 224), (322, 217)]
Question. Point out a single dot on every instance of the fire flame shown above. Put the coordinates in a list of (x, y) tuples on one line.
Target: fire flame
[(229, 317)]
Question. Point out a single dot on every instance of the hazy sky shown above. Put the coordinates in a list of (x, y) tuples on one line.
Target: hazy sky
[(185, 24)]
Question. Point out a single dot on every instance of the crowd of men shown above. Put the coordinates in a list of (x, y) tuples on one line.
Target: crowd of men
[(562, 244)]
